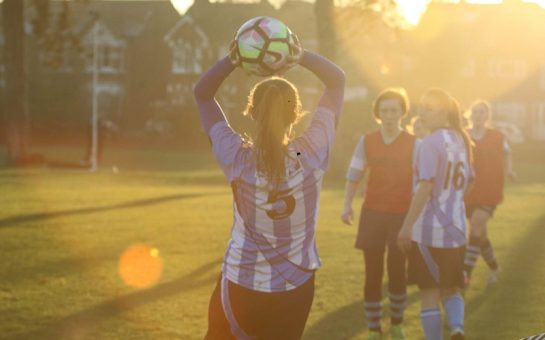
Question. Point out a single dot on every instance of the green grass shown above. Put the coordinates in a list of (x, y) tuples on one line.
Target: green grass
[(62, 233)]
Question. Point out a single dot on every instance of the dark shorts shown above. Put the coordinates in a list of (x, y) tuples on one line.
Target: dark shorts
[(378, 229), (470, 208), (267, 316), (449, 265)]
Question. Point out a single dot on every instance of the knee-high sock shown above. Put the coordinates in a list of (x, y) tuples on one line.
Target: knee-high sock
[(373, 312), (431, 323), (374, 267), (397, 307), (473, 251), (454, 307), (488, 254), (397, 287)]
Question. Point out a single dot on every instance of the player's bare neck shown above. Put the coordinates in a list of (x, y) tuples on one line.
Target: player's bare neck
[(478, 132), (389, 135)]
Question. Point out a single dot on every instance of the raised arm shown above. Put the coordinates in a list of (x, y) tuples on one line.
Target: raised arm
[(205, 90), (332, 77), (316, 142)]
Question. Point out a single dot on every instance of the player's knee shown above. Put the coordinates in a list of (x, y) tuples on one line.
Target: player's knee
[(449, 291), (478, 228), (479, 219)]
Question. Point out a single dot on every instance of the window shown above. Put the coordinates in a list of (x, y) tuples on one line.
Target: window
[(187, 58), (54, 62), (110, 51), (504, 68), (179, 93), (110, 58), (511, 112)]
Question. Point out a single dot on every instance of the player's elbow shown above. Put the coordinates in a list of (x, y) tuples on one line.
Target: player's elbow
[(199, 91), (340, 78), (424, 190)]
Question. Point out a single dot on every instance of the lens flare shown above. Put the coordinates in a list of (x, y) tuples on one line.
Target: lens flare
[(140, 266)]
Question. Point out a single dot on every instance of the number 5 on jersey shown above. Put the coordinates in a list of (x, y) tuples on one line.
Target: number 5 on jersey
[(281, 196)]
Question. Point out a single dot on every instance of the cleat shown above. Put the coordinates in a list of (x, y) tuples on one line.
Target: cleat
[(457, 335), (494, 276), (374, 335), (396, 332)]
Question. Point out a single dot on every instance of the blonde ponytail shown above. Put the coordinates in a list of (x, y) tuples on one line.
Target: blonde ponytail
[(274, 105)]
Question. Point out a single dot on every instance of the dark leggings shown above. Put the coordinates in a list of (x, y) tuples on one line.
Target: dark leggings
[(263, 316), (374, 269)]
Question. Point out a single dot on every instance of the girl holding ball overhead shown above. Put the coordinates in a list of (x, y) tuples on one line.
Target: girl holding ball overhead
[(266, 286)]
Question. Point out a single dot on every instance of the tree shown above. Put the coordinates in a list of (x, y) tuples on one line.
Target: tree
[(362, 14), (325, 11), (16, 115), (53, 36)]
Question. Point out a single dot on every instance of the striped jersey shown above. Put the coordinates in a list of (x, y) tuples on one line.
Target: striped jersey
[(443, 160), (272, 246)]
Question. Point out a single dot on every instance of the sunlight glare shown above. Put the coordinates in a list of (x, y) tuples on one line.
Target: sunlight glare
[(412, 10), (182, 5), (539, 2)]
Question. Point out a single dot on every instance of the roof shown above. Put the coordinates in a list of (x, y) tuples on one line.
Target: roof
[(219, 21), (127, 18)]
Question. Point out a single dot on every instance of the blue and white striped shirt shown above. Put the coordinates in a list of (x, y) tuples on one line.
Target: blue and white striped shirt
[(272, 246), (443, 160)]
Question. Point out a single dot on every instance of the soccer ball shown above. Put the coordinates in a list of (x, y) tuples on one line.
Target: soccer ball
[(263, 45)]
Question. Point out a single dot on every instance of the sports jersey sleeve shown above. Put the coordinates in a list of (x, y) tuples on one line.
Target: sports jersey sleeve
[(314, 146), (205, 90), (316, 142), (226, 143), (416, 149), (332, 77), (358, 163), (427, 161), (506, 147)]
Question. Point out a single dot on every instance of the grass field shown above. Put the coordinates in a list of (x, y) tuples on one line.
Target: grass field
[(62, 233)]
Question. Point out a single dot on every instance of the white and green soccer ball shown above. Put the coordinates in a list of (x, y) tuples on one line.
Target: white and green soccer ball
[(263, 45)]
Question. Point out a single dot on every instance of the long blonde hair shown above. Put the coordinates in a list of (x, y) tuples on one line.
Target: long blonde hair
[(275, 106)]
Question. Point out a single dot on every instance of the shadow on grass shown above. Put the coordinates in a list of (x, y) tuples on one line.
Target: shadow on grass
[(14, 220), (485, 313), (494, 307), (80, 324), (347, 321), (48, 270)]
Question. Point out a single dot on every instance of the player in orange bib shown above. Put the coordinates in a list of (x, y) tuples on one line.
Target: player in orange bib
[(386, 156), (492, 161)]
